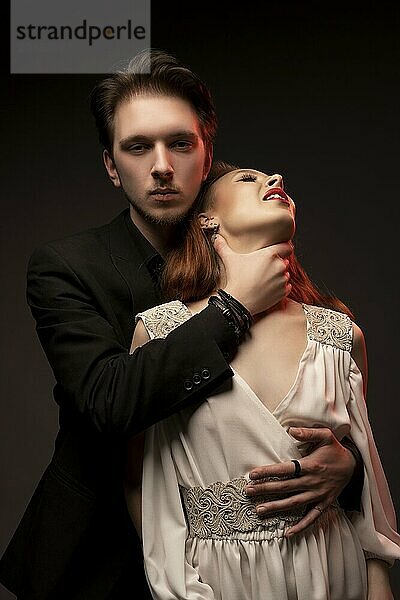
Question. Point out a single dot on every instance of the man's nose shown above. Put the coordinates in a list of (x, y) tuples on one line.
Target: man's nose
[(275, 180), (162, 167)]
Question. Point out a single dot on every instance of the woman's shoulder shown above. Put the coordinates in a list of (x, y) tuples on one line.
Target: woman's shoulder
[(359, 351), (336, 328), (329, 326)]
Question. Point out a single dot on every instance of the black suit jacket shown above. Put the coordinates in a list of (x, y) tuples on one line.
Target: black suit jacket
[(75, 540)]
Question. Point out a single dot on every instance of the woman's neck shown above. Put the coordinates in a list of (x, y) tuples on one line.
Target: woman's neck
[(251, 242)]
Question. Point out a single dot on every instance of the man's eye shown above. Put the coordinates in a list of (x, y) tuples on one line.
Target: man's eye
[(248, 177), (182, 145), (137, 148)]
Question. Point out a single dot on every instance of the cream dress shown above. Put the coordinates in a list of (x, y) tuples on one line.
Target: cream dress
[(202, 538)]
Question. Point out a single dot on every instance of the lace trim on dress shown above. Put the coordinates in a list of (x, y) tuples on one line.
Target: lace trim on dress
[(329, 327), (161, 320), (323, 324), (223, 510)]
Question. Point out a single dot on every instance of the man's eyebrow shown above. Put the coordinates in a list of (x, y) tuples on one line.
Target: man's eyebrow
[(140, 138), (188, 133)]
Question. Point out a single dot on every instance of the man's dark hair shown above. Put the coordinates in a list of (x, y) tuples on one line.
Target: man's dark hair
[(152, 72)]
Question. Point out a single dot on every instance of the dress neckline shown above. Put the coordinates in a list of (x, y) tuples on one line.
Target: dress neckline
[(247, 387), (302, 360)]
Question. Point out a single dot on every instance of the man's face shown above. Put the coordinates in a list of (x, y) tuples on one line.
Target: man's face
[(159, 158)]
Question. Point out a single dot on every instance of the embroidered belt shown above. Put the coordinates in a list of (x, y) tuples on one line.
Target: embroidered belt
[(223, 510)]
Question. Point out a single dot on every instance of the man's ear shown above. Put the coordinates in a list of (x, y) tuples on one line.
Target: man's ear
[(111, 168), (207, 221), (207, 162)]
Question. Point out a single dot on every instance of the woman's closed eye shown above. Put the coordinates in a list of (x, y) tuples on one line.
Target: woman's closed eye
[(248, 177)]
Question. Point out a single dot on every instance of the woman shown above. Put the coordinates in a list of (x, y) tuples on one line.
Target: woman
[(304, 364)]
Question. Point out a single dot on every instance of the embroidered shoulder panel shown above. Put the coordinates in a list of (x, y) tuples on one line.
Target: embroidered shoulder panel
[(160, 320), (329, 327)]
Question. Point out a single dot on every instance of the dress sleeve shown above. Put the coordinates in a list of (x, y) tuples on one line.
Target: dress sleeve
[(376, 523), (164, 530)]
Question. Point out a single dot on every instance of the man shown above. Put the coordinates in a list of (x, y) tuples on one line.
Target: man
[(76, 540)]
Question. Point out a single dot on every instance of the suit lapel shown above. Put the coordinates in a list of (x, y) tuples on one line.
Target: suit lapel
[(129, 253)]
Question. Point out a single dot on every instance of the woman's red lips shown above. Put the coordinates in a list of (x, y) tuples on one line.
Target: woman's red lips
[(276, 194)]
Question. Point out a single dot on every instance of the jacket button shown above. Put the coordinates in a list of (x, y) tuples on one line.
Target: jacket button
[(188, 384), (205, 374), (196, 379)]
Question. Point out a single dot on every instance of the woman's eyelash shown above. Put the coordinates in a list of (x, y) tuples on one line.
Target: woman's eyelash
[(248, 177)]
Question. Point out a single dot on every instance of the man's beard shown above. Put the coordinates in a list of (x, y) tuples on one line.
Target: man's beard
[(165, 220)]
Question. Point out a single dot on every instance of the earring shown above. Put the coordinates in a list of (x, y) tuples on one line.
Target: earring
[(209, 226), (214, 230)]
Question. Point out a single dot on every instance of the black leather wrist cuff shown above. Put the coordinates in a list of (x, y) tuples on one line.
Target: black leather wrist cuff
[(237, 316), (240, 312), (228, 314)]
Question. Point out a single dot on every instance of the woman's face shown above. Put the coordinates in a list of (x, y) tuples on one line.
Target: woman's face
[(252, 210)]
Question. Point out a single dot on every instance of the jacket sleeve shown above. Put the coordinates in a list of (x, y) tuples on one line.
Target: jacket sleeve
[(118, 392)]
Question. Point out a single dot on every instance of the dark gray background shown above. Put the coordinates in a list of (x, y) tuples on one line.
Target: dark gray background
[(307, 89)]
